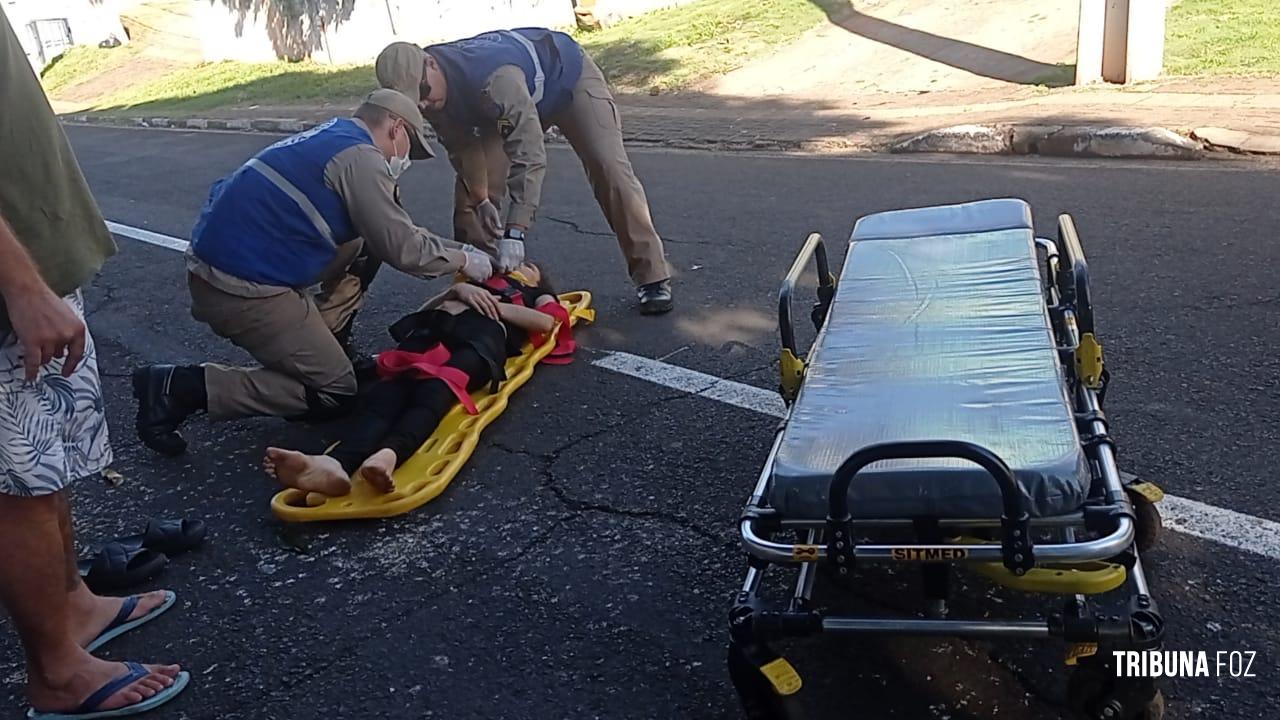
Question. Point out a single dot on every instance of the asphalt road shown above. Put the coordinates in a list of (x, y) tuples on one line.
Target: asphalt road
[(582, 565)]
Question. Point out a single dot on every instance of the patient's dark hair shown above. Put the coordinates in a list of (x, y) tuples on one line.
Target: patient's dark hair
[(544, 282)]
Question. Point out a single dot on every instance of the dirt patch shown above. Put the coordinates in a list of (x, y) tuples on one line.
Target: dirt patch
[(917, 46), (140, 70), (162, 38)]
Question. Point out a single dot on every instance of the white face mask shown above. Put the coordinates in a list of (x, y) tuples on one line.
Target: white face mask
[(399, 163)]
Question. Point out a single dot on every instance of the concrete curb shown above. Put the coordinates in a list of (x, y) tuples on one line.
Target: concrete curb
[(1094, 141), (268, 125), (288, 126), (1055, 140)]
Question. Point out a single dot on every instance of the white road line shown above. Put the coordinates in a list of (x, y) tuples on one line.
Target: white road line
[(694, 383), (1224, 526), (1190, 517), (146, 236)]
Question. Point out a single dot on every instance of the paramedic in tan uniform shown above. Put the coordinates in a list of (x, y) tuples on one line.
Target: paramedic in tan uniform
[(491, 98), (318, 208)]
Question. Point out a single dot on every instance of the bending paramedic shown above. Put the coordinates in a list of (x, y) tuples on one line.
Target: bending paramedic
[(491, 97)]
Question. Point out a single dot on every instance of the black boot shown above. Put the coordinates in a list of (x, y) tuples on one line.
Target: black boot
[(166, 396), (364, 364), (655, 297)]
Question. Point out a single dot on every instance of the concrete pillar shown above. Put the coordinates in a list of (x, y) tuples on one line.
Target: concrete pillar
[(1115, 40), (1144, 40), (1089, 41), (1133, 40)]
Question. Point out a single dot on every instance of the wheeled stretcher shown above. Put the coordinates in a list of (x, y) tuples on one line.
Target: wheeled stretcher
[(952, 397)]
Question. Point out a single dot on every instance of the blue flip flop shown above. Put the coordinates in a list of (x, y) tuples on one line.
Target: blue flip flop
[(122, 624), (88, 709)]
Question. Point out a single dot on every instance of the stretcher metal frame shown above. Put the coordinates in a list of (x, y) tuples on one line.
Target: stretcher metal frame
[(768, 685)]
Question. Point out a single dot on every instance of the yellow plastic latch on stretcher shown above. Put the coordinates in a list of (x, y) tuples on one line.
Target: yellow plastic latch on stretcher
[(782, 676), (792, 369), (1084, 578), (1148, 490), (1079, 650), (1089, 361), (428, 471)]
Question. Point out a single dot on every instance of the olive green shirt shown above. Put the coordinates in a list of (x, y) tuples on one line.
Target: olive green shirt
[(521, 131), (43, 194)]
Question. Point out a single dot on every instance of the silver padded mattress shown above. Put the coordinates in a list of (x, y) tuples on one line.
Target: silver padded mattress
[(938, 331)]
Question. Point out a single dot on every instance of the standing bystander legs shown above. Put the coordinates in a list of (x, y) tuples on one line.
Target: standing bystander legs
[(53, 428)]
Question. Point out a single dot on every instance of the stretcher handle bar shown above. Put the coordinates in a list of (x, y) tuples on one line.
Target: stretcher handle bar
[(1074, 519), (1016, 549), (813, 247), (1015, 505), (1102, 548), (1073, 285)]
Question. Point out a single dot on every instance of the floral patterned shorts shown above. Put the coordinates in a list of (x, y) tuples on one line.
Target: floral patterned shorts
[(52, 431)]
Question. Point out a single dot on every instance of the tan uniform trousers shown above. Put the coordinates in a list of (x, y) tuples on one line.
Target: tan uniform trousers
[(292, 335), (593, 128)]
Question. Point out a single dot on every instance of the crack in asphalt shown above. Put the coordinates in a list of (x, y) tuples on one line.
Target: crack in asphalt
[(577, 228), (595, 233), (580, 506), (750, 371), (537, 541), (584, 506)]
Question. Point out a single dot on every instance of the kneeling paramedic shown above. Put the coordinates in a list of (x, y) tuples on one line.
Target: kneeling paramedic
[(318, 208), (491, 98)]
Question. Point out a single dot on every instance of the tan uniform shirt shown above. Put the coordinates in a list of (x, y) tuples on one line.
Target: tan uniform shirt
[(522, 139), (359, 176), (43, 194)]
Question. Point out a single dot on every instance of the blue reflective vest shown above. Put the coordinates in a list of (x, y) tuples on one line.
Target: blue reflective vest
[(551, 61), (275, 220)]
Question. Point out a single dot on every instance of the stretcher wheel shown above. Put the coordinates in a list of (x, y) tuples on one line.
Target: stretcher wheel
[(760, 699), (1147, 522), (1094, 693)]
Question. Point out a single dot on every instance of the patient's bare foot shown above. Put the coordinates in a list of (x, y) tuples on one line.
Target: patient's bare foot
[(308, 473), (378, 468)]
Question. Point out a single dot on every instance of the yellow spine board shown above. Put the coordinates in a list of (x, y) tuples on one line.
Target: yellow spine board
[(428, 472)]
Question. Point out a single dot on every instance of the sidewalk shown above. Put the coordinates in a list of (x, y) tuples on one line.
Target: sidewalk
[(1250, 108), (880, 75), (876, 122)]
